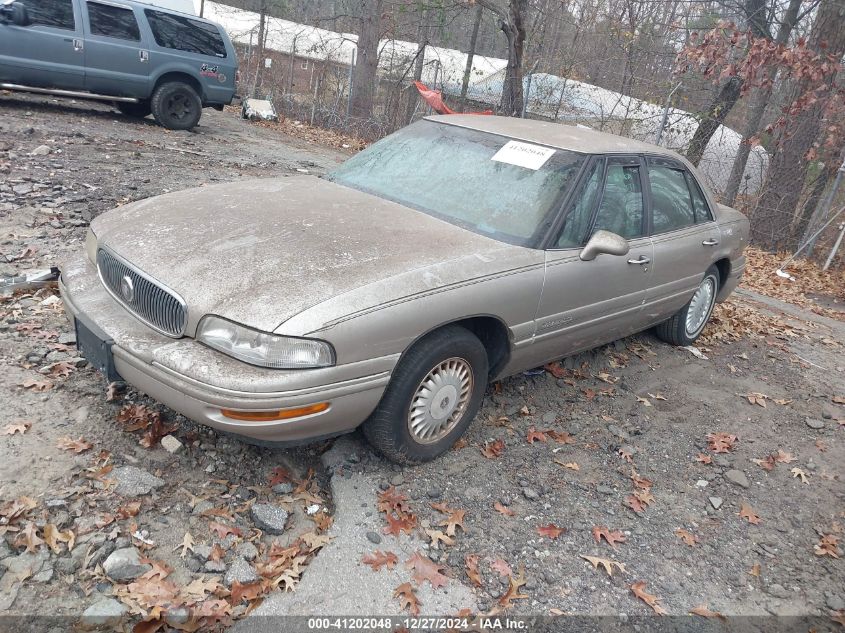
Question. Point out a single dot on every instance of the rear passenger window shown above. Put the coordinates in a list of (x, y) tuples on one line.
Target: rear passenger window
[(181, 33), (55, 13), (702, 209), (112, 21), (670, 199)]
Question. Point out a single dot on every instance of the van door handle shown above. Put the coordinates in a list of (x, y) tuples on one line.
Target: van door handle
[(710, 242), (641, 261)]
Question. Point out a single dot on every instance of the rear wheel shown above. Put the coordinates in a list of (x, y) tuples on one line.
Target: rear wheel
[(176, 106), (434, 394), (688, 322), (137, 110)]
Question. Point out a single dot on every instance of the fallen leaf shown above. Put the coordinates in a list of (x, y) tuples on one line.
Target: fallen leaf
[(379, 559), (77, 446), (426, 569), (407, 598), (704, 459), (827, 546), (644, 401), (18, 427), (560, 437), (606, 563), (535, 436), (454, 520), (797, 472), (512, 592), (29, 538), (438, 536), (612, 537), (721, 442), (626, 454), (279, 475), (756, 398), (838, 399), (391, 500), (398, 524), (687, 537), (745, 512), (767, 463), (838, 617), (36, 385), (639, 501), (657, 396), (569, 465), (638, 588), (704, 612), (53, 536), (222, 530), (491, 450), (248, 592), (61, 369), (187, 545), (755, 570), (498, 507), (501, 567), (471, 561), (552, 531), (639, 481)]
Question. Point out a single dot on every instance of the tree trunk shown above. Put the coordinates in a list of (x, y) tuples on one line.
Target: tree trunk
[(774, 215), (514, 30), (713, 117), (262, 27), (473, 42), (419, 64), (365, 72)]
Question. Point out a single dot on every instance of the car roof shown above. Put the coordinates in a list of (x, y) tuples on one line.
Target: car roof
[(559, 135)]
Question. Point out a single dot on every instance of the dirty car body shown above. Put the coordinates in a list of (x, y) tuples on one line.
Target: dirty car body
[(460, 250)]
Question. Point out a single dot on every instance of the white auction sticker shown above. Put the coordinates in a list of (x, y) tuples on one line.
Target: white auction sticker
[(523, 155)]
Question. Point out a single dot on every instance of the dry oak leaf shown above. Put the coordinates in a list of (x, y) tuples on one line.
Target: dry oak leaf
[(454, 520), (606, 563), (797, 472), (498, 507), (721, 442), (827, 546), (639, 481), (29, 537), (53, 536), (626, 454), (379, 559), (248, 592), (279, 475), (704, 612), (612, 537), (187, 545), (222, 530), (60, 369), (560, 437), (639, 501), (767, 463), (687, 537), (36, 385), (755, 570), (756, 398), (569, 465), (391, 499), (471, 561), (407, 598), (398, 524), (745, 512), (784, 458), (512, 593), (491, 450), (550, 530), (18, 427), (644, 401), (426, 569), (77, 446), (704, 459), (438, 536), (535, 436), (838, 399), (501, 567), (638, 588), (838, 617)]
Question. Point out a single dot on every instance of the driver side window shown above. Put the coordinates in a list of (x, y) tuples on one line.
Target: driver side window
[(621, 209)]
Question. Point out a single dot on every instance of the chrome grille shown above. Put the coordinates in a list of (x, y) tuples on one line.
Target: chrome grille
[(157, 306)]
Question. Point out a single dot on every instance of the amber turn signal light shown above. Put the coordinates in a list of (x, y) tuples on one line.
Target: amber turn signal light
[(280, 414)]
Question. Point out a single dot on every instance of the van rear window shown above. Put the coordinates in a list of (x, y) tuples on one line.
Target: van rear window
[(181, 33)]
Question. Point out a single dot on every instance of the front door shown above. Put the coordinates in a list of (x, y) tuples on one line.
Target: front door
[(588, 303), (47, 53), (116, 61)]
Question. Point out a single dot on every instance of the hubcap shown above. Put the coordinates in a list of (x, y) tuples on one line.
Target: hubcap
[(700, 306), (178, 106), (440, 400)]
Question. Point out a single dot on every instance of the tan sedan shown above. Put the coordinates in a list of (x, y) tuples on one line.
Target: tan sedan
[(388, 294)]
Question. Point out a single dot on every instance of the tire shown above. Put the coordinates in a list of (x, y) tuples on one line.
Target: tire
[(687, 324), (138, 110), (443, 357), (176, 106)]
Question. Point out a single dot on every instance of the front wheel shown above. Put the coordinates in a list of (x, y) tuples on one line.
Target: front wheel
[(688, 322), (176, 106), (433, 395)]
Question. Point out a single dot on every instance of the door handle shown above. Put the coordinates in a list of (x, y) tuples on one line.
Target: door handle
[(710, 242), (78, 45), (641, 261)]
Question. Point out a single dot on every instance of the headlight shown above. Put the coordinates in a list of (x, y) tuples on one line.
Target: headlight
[(263, 349), (91, 245)]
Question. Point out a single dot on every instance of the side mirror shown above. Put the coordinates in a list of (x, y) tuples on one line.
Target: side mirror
[(604, 242), (16, 13)]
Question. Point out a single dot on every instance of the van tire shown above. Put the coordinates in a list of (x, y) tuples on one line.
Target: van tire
[(176, 106), (138, 110)]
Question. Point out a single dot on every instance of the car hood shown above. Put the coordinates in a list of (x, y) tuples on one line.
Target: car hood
[(260, 251)]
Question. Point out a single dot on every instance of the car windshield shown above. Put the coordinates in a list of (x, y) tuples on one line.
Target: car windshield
[(486, 183)]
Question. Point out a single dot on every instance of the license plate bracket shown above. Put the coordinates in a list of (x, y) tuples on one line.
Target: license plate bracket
[(96, 347)]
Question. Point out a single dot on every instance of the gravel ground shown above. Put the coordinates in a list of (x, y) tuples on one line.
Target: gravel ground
[(629, 419)]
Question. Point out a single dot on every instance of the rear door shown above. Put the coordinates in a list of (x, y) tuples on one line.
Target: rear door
[(588, 303), (49, 52), (684, 234), (117, 62)]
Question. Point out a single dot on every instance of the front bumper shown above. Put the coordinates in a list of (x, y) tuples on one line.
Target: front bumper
[(199, 382)]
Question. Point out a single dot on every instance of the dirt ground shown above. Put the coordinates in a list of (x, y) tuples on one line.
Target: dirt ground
[(616, 439)]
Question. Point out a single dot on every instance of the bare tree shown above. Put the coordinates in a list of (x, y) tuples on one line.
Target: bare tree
[(364, 75), (473, 42), (512, 23)]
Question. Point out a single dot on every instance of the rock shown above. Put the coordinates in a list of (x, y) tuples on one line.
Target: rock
[(67, 338), (240, 571), (374, 537), (171, 444), (44, 576), (618, 432), (835, 603), (530, 494), (737, 477), (202, 552), (284, 488), (106, 613), (397, 480), (41, 150), (125, 564), (202, 506), (778, 591), (214, 567), (434, 493), (67, 566), (247, 551), (716, 502), (549, 418), (134, 482), (605, 490), (102, 553), (701, 483), (269, 518), (5, 550), (814, 423)]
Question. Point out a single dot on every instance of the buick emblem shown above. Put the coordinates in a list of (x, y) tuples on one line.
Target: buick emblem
[(127, 289)]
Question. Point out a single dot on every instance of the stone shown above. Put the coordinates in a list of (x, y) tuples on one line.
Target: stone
[(397, 480), (67, 338), (125, 564), (603, 489), (135, 482), (530, 494), (240, 571), (202, 552), (41, 150), (618, 432), (247, 551), (171, 444), (284, 488), (737, 477), (716, 502), (214, 567), (814, 423), (269, 518), (106, 613), (778, 591), (835, 603), (202, 506), (374, 537)]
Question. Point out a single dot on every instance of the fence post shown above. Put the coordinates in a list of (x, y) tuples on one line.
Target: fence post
[(835, 247), (351, 79), (665, 116), (824, 208)]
